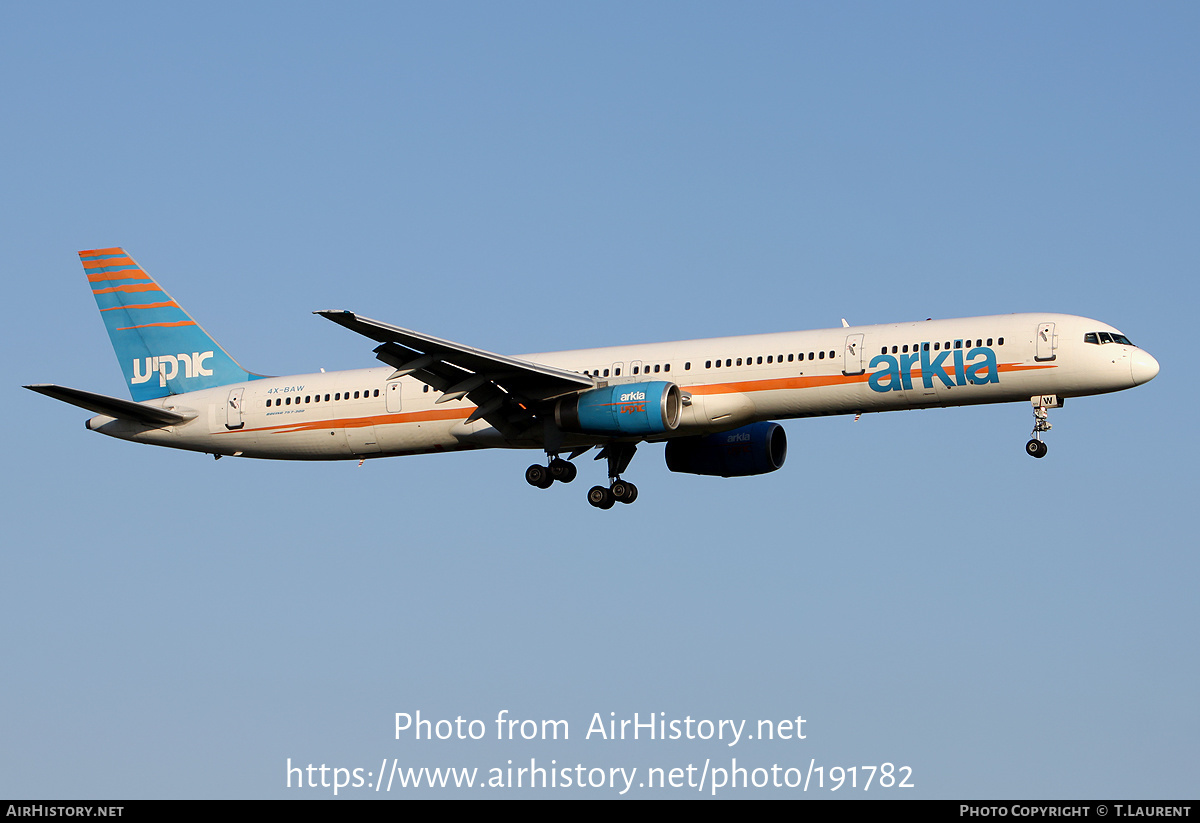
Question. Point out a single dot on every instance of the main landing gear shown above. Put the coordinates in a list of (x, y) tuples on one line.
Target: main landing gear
[(1041, 422), (602, 497), (618, 455), (543, 477)]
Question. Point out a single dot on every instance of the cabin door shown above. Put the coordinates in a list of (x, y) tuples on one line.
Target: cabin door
[(233, 410), (852, 355), (393, 396), (1044, 343)]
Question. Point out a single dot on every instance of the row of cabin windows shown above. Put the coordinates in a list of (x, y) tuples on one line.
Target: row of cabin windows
[(639, 369), (316, 398), (958, 344), (729, 362)]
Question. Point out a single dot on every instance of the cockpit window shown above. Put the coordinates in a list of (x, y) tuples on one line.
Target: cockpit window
[(1100, 337)]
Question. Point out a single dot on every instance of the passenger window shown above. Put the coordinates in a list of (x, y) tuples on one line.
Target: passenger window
[(1000, 341), (822, 355)]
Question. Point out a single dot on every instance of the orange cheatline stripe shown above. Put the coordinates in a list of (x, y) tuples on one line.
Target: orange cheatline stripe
[(132, 287), (1020, 367), (169, 304), (361, 422), (126, 274), (149, 325), (778, 383)]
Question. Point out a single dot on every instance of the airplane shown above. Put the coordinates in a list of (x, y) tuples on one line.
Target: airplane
[(713, 402)]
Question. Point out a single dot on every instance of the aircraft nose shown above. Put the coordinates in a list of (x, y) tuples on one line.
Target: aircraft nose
[(1143, 367)]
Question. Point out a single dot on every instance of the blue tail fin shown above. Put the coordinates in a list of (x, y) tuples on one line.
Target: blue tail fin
[(162, 350)]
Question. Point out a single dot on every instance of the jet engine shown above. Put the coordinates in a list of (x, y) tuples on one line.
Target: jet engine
[(625, 409), (755, 449)]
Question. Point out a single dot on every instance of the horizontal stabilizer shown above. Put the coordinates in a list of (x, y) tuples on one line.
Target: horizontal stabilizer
[(114, 406)]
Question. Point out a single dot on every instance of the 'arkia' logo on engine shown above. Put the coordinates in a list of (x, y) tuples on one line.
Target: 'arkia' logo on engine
[(896, 372), (167, 366), (633, 395)]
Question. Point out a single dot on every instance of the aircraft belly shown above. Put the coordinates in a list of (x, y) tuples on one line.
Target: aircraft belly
[(405, 438), (722, 411)]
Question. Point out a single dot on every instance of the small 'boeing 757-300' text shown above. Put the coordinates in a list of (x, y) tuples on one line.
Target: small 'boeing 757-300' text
[(712, 401)]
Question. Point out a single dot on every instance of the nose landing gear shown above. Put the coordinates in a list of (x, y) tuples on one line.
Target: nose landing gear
[(1042, 403)]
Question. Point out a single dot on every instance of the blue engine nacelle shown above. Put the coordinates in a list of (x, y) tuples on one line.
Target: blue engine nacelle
[(629, 408), (755, 449)]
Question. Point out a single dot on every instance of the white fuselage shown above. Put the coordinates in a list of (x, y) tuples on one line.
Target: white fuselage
[(727, 382)]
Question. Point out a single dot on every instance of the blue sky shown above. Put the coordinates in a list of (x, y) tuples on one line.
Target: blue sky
[(533, 177)]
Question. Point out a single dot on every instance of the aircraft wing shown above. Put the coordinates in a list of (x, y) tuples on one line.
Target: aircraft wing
[(506, 390), (114, 406)]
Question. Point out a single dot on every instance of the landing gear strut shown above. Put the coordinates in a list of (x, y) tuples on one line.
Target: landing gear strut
[(618, 455), (602, 497), (1041, 422)]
